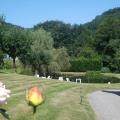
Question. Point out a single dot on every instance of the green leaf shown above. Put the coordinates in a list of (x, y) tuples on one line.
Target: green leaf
[(4, 113)]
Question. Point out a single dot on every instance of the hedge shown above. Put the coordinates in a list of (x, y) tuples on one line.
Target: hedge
[(98, 77), (71, 75), (88, 77), (83, 64)]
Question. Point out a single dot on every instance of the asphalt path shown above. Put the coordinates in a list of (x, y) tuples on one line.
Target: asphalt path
[(106, 104)]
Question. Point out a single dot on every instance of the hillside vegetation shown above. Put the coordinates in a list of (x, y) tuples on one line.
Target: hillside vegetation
[(54, 46)]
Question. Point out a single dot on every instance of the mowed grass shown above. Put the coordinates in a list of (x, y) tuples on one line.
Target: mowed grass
[(62, 99)]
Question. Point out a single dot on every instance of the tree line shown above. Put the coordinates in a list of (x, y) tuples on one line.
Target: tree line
[(51, 46), (34, 48)]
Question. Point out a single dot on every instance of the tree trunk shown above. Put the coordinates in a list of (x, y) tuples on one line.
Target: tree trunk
[(33, 69), (47, 71), (14, 64), (39, 72)]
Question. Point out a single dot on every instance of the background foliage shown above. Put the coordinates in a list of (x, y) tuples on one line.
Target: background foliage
[(53, 45)]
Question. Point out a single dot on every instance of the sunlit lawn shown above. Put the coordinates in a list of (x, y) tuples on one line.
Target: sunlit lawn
[(62, 99)]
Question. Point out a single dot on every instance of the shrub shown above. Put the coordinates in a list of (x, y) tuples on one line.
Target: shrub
[(53, 68), (98, 77), (1, 59), (71, 75), (111, 79), (26, 71), (105, 70), (93, 77), (8, 64), (88, 77), (83, 64)]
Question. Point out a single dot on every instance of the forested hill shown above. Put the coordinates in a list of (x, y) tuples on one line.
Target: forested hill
[(114, 13), (75, 37), (100, 37), (66, 35)]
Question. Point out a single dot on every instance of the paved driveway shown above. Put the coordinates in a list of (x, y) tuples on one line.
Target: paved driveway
[(106, 104)]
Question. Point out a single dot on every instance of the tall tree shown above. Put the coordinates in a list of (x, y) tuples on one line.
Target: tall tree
[(117, 60), (2, 21), (1, 58), (62, 58), (81, 37), (59, 30), (65, 35), (41, 50), (60, 61), (108, 39), (14, 42)]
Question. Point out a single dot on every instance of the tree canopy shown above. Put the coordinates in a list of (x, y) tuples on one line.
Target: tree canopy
[(44, 45), (14, 42), (41, 50)]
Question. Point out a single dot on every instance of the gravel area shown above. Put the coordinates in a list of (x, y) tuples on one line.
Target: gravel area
[(106, 104)]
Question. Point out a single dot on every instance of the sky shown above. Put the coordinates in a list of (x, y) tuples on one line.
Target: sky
[(27, 13)]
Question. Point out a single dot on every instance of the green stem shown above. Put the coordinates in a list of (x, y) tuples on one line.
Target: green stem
[(34, 116), (34, 109), (34, 112)]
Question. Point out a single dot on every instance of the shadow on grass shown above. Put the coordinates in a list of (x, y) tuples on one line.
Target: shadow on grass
[(112, 91)]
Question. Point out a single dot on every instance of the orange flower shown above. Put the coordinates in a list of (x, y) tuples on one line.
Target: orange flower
[(34, 96)]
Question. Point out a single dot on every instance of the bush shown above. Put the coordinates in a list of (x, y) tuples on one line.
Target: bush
[(105, 70), (71, 75), (93, 77), (1, 59), (83, 64), (98, 77), (107, 79), (53, 68), (8, 64), (26, 71), (88, 77)]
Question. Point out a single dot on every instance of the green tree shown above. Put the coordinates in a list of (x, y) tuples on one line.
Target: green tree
[(72, 37), (41, 51), (108, 36), (88, 52), (26, 54), (2, 20), (59, 30), (108, 40), (1, 58), (62, 58), (60, 61), (14, 42), (117, 60)]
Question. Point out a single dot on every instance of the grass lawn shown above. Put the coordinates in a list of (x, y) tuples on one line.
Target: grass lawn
[(62, 98)]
